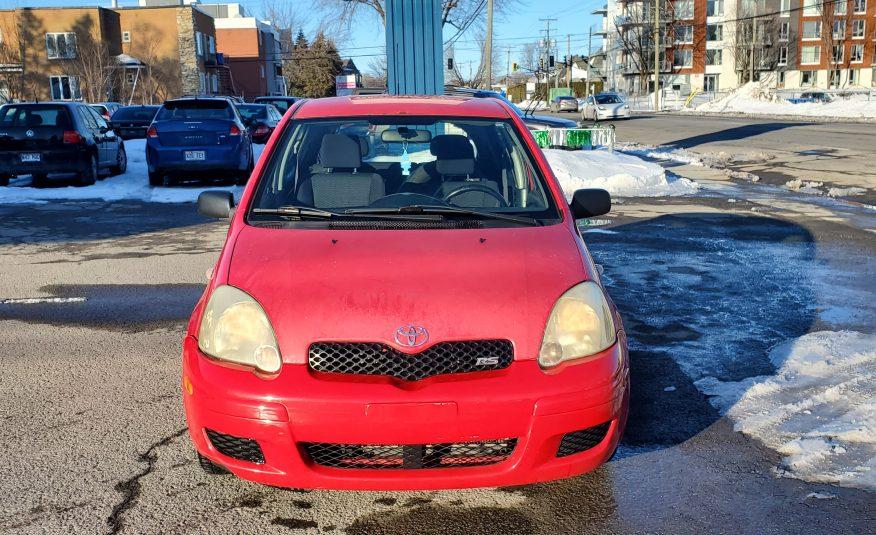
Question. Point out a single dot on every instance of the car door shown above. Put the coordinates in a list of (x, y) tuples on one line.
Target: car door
[(89, 129), (108, 143)]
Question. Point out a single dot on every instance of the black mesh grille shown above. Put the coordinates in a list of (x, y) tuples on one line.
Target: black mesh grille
[(244, 449), (402, 457), (380, 359), (390, 224), (578, 441)]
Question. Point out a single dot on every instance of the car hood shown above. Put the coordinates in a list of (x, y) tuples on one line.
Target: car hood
[(613, 107), (547, 121), (323, 285)]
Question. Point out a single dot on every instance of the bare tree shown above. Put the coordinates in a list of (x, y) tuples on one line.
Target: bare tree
[(475, 77), (460, 14), (12, 80), (635, 36), (835, 27), (754, 38), (376, 73)]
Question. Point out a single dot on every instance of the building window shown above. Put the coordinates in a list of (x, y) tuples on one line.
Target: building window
[(202, 83), (860, 6), (126, 37), (855, 76), (199, 45), (785, 8), (837, 54), (783, 56), (839, 29), (713, 57), (784, 31), (683, 34), (807, 78), (214, 82), (840, 7), (811, 8), (64, 88), (812, 29), (61, 45), (873, 77), (684, 9), (211, 42), (810, 54), (262, 70), (781, 78), (683, 58), (858, 28), (714, 32), (857, 54), (710, 83), (714, 8), (130, 78)]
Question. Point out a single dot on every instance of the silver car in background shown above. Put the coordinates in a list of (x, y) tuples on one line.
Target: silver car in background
[(564, 103), (604, 106)]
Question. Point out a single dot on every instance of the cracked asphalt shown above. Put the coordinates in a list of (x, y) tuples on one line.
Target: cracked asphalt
[(94, 437)]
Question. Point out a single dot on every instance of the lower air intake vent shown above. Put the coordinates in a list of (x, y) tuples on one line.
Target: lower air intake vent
[(410, 456), (583, 440), (244, 449)]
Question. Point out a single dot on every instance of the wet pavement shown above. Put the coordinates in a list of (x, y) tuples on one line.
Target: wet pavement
[(93, 302)]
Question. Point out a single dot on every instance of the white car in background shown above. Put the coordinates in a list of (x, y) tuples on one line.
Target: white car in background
[(604, 106)]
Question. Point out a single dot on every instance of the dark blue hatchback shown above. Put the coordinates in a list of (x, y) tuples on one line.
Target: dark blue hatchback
[(198, 138)]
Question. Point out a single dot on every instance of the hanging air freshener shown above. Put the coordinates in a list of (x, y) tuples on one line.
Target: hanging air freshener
[(405, 161)]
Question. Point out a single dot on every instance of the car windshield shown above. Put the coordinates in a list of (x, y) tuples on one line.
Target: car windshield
[(281, 105), (339, 165), (195, 109), (134, 114), (608, 99), (32, 116), (253, 111)]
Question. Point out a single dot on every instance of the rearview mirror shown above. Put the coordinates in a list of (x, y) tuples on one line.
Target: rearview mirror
[(404, 134), (590, 203), (216, 204)]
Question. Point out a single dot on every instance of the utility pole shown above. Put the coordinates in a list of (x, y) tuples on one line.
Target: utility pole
[(569, 62), (589, 60), (488, 49), (656, 55), (547, 76), (508, 68)]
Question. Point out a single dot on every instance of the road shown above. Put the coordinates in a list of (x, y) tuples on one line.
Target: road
[(776, 150), (94, 435)]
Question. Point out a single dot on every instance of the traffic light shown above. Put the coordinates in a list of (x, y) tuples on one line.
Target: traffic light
[(514, 67), (551, 62), (449, 64)]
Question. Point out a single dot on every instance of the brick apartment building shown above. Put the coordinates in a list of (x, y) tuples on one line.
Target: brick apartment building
[(250, 49), (707, 45), (157, 50)]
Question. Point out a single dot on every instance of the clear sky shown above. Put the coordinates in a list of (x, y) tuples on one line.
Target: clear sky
[(513, 29)]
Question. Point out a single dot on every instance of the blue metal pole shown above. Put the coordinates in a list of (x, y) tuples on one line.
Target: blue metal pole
[(414, 43)]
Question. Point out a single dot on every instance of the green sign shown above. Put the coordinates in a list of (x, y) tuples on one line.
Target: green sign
[(572, 138)]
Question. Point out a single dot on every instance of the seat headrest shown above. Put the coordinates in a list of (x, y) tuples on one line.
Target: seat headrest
[(339, 151), (34, 120), (454, 153), (363, 145), (451, 146)]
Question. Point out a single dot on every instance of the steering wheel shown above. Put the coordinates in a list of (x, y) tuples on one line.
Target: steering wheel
[(477, 187)]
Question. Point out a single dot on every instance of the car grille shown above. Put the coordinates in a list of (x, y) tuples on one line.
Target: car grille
[(406, 457), (578, 441), (380, 359), (244, 449)]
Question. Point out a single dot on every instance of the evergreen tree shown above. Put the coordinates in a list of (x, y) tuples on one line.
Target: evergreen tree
[(313, 67)]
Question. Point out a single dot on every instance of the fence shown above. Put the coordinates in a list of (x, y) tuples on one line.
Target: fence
[(576, 138)]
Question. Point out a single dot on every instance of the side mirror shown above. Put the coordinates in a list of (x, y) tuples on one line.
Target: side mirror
[(589, 203), (216, 204)]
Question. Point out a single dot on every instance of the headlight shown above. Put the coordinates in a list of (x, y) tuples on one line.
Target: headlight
[(235, 328), (580, 324)]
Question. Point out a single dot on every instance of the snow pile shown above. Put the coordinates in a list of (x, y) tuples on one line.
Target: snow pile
[(818, 410), (622, 175), (756, 98), (131, 185)]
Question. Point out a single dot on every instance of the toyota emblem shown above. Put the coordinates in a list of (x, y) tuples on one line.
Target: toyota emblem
[(411, 336)]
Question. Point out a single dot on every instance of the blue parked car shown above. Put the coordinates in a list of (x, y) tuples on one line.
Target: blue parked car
[(201, 136)]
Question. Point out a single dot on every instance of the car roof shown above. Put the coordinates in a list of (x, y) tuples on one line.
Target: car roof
[(417, 105), (277, 97), (189, 99)]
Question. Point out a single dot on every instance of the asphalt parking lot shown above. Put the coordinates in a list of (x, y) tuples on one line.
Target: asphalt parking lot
[(94, 432)]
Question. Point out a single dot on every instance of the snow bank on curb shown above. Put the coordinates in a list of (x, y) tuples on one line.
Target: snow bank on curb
[(818, 410), (132, 185), (755, 98), (622, 175)]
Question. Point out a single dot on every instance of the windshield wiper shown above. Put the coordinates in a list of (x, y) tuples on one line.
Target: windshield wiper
[(301, 212), (419, 209)]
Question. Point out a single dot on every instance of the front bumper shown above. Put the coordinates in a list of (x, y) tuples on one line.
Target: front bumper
[(521, 402)]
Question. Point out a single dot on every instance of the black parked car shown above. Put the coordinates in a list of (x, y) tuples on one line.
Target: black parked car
[(131, 122), (261, 120), (57, 137), (281, 103)]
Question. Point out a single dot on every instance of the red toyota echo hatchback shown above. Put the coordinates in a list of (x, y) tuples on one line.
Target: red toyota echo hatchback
[(404, 301)]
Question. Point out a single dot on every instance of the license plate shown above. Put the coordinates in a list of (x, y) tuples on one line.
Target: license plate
[(31, 157), (195, 155)]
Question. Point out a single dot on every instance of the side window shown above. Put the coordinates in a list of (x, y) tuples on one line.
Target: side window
[(86, 117), (100, 122)]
